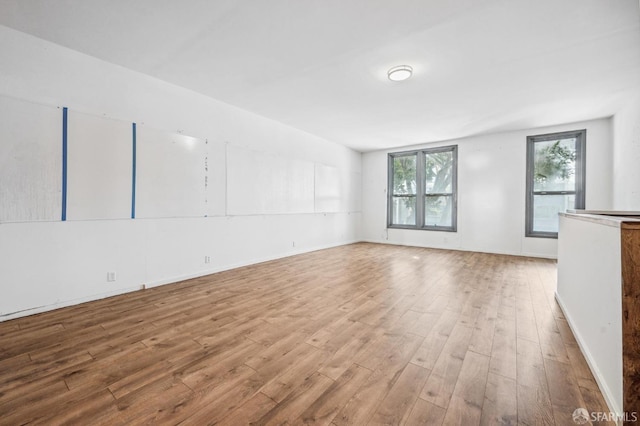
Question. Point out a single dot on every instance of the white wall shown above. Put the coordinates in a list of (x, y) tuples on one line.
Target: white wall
[(626, 157), (491, 192), (52, 263), (590, 294)]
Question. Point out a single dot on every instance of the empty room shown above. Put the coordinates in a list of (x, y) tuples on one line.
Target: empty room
[(331, 212)]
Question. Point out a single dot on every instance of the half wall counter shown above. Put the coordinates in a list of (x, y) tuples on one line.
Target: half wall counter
[(599, 293)]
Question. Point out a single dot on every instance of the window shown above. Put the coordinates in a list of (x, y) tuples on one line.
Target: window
[(422, 189), (555, 179)]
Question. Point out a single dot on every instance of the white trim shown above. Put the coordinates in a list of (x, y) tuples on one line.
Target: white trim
[(67, 303), (172, 280), (476, 250), (606, 392)]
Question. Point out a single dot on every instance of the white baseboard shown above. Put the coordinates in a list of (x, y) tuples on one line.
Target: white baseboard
[(170, 280), (606, 392), (475, 249), (66, 303), (254, 261), (201, 273)]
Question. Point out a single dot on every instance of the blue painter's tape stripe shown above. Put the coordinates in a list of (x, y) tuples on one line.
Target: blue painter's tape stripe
[(64, 163), (133, 173)]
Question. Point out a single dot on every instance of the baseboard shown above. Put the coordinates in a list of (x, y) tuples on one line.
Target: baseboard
[(166, 281), (254, 261), (478, 250), (606, 392), (204, 272), (67, 303)]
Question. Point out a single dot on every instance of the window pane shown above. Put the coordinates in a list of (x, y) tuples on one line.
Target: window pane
[(404, 175), (555, 165), (437, 211), (403, 211), (546, 209), (438, 172)]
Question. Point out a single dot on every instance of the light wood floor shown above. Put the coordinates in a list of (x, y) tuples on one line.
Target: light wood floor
[(362, 334)]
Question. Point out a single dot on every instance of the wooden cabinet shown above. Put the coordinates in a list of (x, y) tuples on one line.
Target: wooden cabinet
[(630, 238)]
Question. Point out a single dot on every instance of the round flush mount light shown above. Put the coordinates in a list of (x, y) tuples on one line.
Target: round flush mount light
[(400, 73)]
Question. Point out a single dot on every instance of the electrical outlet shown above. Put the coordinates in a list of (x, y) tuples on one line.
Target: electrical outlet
[(293, 243), (207, 259), (111, 277)]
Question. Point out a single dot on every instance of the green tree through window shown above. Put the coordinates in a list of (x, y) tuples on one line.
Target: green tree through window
[(555, 180), (404, 189), (554, 162), (422, 188)]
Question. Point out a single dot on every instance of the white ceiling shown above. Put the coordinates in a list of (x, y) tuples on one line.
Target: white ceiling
[(480, 66)]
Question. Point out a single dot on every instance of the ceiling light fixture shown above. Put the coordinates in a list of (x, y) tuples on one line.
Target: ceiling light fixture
[(400, 73)]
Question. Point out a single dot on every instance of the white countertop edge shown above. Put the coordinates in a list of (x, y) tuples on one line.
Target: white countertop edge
[(605, 218)]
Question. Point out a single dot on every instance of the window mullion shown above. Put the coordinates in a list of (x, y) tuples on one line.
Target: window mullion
[(439, 194), (554, 192), (420, 189), (390, 191)]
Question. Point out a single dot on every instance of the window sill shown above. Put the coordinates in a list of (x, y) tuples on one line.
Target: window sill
[(426, 228)]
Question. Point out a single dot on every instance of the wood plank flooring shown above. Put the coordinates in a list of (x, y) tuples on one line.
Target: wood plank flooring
[(362, 334)]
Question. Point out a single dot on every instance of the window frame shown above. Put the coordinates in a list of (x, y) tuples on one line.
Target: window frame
[(580, 177), (421, 195)]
